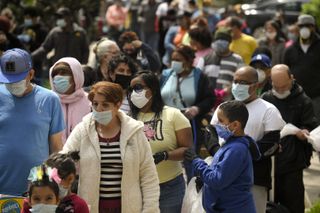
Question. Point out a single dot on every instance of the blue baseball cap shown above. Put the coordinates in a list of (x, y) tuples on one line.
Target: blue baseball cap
[(262, 58), (15, 65)]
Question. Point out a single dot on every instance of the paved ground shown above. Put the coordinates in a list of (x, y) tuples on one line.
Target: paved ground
[(312, 181)]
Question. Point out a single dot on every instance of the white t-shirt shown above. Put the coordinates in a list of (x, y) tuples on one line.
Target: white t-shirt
[(263, 117)]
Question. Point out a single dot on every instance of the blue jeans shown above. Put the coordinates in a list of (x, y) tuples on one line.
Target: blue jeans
[(171, 195)]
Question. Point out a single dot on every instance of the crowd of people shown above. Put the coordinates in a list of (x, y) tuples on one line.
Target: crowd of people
[(125, 122)]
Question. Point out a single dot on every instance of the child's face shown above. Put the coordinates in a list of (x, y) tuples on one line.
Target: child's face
[(44, 195), (222, 118)]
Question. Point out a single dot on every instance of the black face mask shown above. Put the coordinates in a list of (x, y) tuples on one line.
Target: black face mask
[(123, 80)]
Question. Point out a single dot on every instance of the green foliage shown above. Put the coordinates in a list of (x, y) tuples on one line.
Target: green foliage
[(312, 8), (315, 208)]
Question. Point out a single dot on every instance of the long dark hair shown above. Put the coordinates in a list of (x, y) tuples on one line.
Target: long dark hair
[(152, 82)]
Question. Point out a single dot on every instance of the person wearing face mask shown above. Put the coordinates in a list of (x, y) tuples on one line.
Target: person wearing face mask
[(220, 65), (229, 178), (31, 128), (187, 88), (116, 168), (274, 40), (105, 50), (303, 59), (264, 125), (31, 34), (139, 52), (262, 64), (66, 79), (67, 39), (169, 134), (121, 69), (296, 108)]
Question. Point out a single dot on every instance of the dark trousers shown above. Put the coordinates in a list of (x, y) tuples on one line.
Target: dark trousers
[(289, 191)]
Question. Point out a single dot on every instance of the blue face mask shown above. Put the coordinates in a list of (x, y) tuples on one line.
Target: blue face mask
[(103, 117), (223, 131), (177, 66), (43, 208), (240, 91), (61, 83)]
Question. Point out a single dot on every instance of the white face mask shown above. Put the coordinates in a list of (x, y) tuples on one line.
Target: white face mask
[(305, 33), (103, 117), (43, 208), (261, 75), (271, 35), (240, 92), (18, 88), (177, 66), (61, 22), (63, 192), (139, 99), (281, 95)]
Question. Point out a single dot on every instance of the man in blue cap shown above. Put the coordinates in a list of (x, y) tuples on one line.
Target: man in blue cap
[(31, 122), (262, 64)]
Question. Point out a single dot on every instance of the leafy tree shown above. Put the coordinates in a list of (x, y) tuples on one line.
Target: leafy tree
[(312, 8)]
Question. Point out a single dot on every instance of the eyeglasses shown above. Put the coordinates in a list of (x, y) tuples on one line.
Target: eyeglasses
[(137, 88), (243, 82)]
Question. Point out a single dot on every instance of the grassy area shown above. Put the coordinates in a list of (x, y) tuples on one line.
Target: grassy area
[(315, 208)]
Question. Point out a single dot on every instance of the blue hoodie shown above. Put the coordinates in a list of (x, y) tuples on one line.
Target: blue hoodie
[(229, 178)]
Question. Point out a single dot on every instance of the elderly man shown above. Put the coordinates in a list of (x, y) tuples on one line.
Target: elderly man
[(303, 59), (31, 122), (296, 108), (264, 125)]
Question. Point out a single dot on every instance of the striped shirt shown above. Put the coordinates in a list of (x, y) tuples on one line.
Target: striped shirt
[(111, 168)]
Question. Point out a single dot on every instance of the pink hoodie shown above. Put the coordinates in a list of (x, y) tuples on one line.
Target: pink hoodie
[(75, 105)]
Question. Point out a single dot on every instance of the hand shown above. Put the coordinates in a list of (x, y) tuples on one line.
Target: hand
[(211, 141), (191, 112), (190, 154), (160, 156), (136, 43), (302, 134), (199, 183)]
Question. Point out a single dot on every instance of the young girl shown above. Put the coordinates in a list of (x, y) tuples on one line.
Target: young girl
[(43, 192), (64, 173)]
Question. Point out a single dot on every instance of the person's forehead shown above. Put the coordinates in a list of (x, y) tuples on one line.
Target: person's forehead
[(242, 75)]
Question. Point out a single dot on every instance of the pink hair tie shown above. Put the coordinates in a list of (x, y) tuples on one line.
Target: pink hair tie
[(54, 175)]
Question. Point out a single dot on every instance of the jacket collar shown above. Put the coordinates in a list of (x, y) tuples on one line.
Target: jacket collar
[(129, 127)]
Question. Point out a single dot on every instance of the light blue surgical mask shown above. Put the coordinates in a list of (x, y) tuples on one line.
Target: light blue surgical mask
[(103, 117), (61, 83), (240, 91), (223, 131), (18, 88), (28, 22), (61, 22), (177, 66), (43, 208)]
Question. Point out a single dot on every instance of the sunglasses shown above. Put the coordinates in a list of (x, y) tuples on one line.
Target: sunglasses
[(137, 88)]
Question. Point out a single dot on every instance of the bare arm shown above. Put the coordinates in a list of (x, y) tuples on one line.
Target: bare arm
[(184, 141), (56, 142)]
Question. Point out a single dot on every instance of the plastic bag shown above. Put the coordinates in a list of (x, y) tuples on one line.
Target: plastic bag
[(289, 129), (192, 201), (314, 138)]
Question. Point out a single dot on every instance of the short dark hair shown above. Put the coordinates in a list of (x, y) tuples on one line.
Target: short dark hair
[(235, 111), (152, 82), (186, 51), (122, 58), (236, 22), (127, 37), (201, 35)]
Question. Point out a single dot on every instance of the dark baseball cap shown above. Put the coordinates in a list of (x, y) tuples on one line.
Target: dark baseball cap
[(15, 65)]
